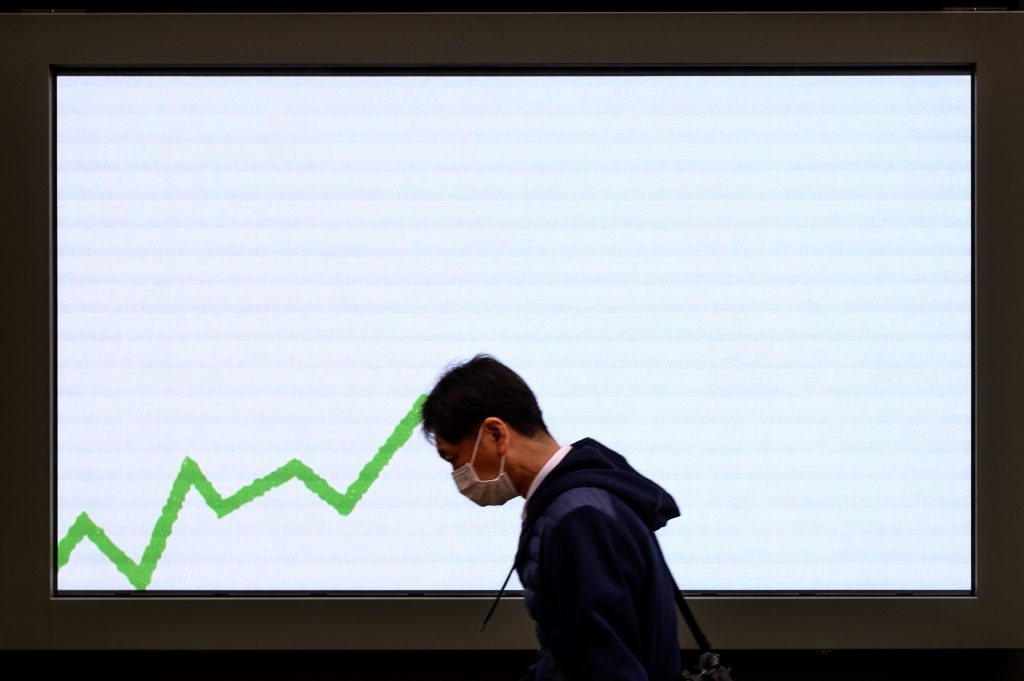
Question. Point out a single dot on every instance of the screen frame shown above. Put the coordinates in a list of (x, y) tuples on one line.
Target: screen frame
[(39, 46)]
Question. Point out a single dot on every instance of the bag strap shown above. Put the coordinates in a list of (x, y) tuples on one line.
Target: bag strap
[(691, 621)]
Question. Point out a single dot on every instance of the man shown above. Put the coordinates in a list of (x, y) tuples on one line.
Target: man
[(596, 584)]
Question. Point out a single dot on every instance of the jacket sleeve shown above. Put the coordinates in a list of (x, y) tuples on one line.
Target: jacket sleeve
[(541, 669), (595, 569)]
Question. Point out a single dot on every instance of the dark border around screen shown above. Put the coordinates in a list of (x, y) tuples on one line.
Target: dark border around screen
[(35, 45)]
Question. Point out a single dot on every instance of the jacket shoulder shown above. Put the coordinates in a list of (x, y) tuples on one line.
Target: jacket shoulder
[(578, 497), (593, 498)]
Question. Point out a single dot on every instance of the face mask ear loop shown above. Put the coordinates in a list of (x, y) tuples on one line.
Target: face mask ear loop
[(479, 433)]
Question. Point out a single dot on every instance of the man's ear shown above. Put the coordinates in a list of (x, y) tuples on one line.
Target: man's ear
[(497, 431)]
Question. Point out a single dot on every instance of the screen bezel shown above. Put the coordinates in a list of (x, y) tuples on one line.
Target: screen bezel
[(40, 44)]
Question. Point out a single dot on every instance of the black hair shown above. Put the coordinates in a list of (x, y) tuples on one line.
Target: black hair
[(470, 392)]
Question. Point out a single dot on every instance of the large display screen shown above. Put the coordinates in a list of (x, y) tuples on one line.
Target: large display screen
[(755, 287)]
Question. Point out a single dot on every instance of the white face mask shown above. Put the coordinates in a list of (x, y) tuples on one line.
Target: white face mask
[(484, 492)]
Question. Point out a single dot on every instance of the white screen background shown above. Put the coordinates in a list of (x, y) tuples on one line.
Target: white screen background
[(755, 288)]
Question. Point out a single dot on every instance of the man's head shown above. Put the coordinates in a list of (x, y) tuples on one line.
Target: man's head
[(481, 413), (470, 392)]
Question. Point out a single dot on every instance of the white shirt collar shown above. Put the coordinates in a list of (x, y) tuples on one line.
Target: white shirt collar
[(555, 459)]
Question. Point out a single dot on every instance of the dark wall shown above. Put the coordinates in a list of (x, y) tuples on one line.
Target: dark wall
[(839, 665)]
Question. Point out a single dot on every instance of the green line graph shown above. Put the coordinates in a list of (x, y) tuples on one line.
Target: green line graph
[(189, 476)]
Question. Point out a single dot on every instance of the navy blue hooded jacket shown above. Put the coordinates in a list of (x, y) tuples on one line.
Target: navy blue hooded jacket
[(595, 581)]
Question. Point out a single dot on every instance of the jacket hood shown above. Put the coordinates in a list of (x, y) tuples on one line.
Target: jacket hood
[(591, 464)]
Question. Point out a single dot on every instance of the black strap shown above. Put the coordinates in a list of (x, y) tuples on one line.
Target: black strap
[(691, 621), (494, 605)]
